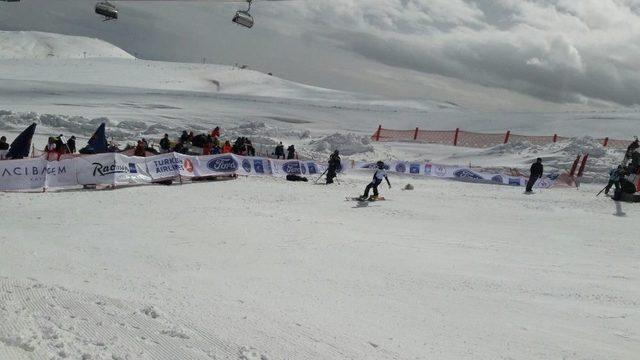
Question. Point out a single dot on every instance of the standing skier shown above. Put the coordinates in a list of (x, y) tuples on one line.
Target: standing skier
[(334, 167), (535, 173), (380, 174), (614, 178)]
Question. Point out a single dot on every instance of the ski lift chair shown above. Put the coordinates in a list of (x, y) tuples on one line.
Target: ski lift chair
[(243, 17), (106, 9)]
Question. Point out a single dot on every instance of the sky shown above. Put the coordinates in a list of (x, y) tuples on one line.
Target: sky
[(542, 55)]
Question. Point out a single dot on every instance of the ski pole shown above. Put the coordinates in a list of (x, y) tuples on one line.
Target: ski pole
[(321, 175), (601, 191)]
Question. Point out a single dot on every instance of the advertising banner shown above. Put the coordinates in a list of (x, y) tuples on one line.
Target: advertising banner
[(452, 172), (118, 169), (24, 174), (111, 169)]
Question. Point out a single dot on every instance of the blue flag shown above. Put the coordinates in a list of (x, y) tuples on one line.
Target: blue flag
[(98, 141), (21, 146)]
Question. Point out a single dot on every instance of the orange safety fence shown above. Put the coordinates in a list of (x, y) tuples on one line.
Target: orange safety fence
[(459, 137)]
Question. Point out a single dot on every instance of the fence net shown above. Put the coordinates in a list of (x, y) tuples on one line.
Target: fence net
[(477, 140)]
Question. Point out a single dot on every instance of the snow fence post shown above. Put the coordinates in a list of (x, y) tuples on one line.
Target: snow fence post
[(378, 132), (574, 166), (555, 137), (506, 136), (415, 135), (606, 142), (455, 137), (583, 165)]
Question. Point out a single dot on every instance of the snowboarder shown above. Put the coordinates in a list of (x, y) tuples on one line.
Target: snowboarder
[(291, 152), (334, 166), (279, 151), (380, 174), (3, 143), (614, 178), (535, 173)]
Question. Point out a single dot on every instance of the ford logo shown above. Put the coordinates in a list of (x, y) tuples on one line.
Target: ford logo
[(223, 164), (246, 165), (467, 174), (292, 167), (258, 167), (312, 168), (514, 181)]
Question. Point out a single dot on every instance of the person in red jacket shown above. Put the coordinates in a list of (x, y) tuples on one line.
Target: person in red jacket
[(216, 132), (227, 147)]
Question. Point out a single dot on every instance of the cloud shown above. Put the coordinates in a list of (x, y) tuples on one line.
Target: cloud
[(556, 50)]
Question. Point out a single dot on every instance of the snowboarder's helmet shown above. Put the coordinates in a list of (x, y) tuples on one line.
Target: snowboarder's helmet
[(380, 164)]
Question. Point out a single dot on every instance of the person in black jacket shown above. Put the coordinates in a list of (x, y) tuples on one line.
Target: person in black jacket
[(291, 152), (279, 151), (535, 173), (3, 143), (71, 144), (334, 167), (165, 144), (631, 148)]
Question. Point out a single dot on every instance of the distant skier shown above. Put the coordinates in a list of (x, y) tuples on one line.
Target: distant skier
[(291, 152), (535, 173), (614, 178), (380, 174), (334, 166)]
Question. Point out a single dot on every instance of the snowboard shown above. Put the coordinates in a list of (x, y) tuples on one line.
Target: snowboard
[(380, 198)]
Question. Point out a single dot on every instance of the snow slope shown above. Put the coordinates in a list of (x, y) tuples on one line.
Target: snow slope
[(294, 271), (40, 45)]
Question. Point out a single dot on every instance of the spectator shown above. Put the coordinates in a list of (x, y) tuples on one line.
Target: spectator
[(71, 144), (251, 151), (51, 145), (216, 132), (179, 147), (215, 150), (60, 145), (3, 143), (227, 147), (208, 144), (184, 138), (165, 144), (291, 152), (140, 149), (279, 151)]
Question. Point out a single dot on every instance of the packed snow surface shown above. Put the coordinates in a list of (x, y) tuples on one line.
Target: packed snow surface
[(293, 271)]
